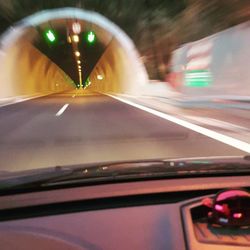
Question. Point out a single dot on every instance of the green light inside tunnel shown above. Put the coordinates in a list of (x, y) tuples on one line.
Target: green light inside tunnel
[(50, 35), (91, 37), (87, 83), (198, 78)]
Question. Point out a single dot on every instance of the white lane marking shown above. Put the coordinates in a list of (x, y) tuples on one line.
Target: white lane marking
[(244, 146), (216, 123), (62, 109), (230, 124)]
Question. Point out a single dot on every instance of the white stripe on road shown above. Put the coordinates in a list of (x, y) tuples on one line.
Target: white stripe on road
[(230, 124), (62, 109), (207, 132), (216, 123)]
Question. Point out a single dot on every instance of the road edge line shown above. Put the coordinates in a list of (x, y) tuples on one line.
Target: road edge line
[(243, 146)]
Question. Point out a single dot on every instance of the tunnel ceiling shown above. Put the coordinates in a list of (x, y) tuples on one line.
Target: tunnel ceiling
[(61, 51)]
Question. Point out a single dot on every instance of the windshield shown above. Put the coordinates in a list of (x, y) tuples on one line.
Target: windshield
[(99, 82)]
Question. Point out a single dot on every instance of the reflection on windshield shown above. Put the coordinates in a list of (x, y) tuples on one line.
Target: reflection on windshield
[(129, 81)]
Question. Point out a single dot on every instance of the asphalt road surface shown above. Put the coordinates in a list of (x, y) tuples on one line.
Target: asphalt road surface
[(73, 128)]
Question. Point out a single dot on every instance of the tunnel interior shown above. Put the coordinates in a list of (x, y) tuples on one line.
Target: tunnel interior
[(61, 51), (41, 51)]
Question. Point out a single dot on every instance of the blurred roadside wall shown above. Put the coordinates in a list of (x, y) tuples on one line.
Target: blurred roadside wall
[(216, 65)]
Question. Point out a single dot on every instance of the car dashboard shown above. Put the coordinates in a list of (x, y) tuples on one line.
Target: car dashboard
[(151, 214)]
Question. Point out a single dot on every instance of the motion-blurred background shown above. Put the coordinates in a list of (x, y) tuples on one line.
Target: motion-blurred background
[(76, 77)]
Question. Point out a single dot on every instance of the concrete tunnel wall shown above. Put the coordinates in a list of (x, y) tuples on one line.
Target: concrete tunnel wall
[(121, 64), (119, 74), (25, 71), (123, 73)]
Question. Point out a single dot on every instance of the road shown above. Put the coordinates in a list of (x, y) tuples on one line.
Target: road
[(73, 128)]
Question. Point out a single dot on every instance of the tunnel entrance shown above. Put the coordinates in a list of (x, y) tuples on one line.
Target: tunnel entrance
[(49, 64)]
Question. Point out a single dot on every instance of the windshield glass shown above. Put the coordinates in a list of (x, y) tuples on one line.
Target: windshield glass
[(90, 82)]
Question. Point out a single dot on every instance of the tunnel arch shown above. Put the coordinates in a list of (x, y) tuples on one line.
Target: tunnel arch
[(123, 51)]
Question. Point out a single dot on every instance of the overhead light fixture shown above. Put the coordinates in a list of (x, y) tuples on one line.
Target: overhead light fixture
[(75, 38), (77, 53), (69, 39), (99, 77), (78, 61), (76, 27)]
